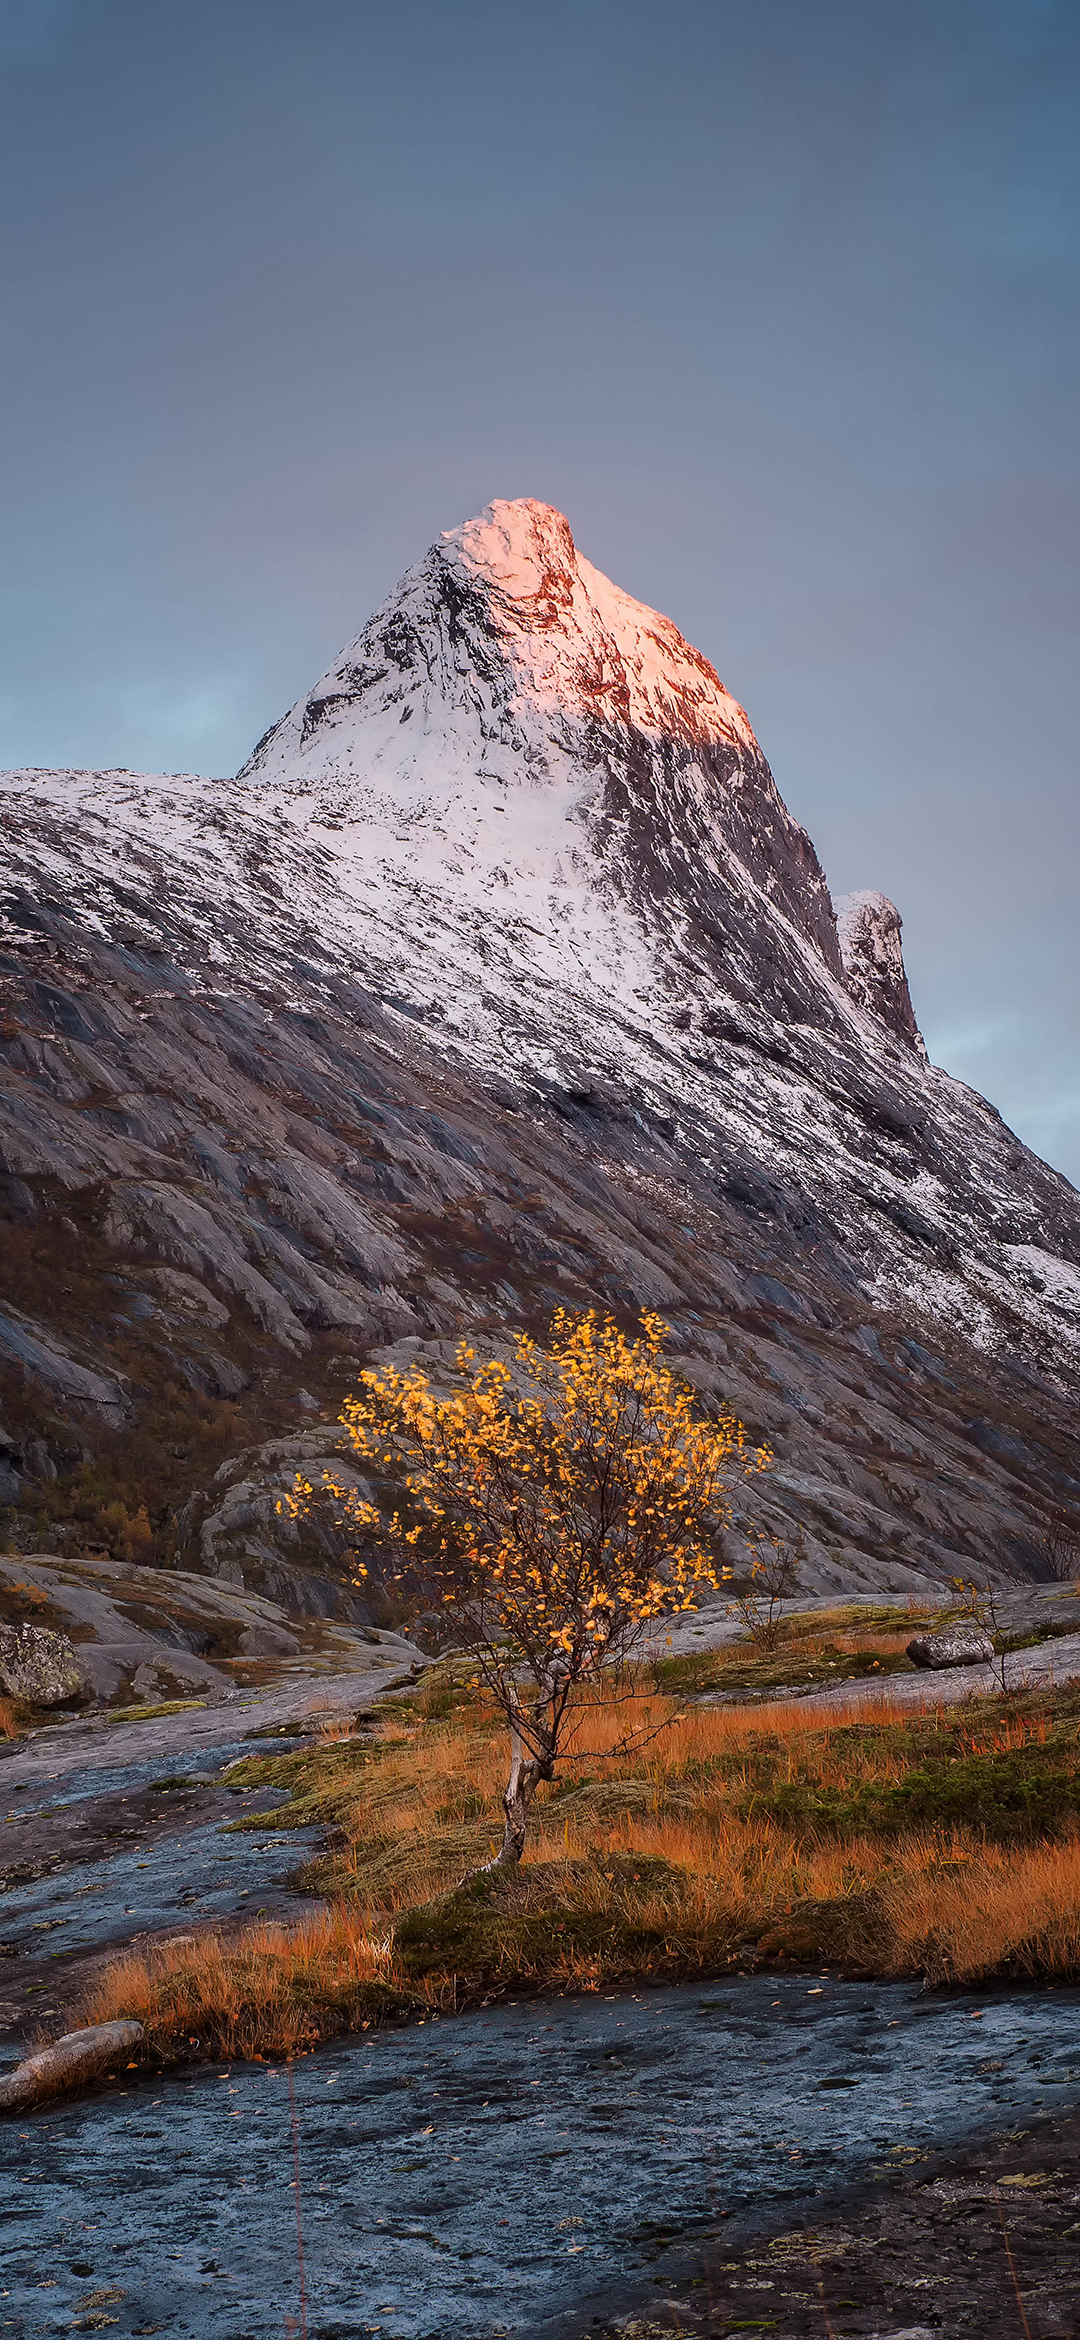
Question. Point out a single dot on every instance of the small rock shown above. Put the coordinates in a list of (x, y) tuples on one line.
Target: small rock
[(40, 1666), (957, 1645), (146, 1683), (78, 2055)]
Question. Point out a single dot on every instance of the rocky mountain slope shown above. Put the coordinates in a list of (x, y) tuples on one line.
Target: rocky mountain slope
[(499, 977)]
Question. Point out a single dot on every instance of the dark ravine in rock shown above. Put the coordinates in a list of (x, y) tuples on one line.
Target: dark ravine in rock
[(501, 978)]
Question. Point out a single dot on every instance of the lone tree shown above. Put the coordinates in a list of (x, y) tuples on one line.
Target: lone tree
[(553, 1509)]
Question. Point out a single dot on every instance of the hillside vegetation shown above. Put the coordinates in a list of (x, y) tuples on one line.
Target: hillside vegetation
[(942, 1844)]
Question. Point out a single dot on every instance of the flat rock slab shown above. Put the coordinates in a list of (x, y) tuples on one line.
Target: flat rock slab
[(1050, 1665), (1022, 1608), (938, 2244), (300, 1701), (443, 2190), (96, 1852), (158, 1634)]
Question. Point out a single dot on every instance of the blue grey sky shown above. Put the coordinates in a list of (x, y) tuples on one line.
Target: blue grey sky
[(777, 301)]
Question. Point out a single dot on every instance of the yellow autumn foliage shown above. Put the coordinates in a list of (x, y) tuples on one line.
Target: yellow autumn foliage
[(553, 1509), (568, 1499)]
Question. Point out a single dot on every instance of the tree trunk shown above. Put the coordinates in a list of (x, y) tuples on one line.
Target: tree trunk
[(516, 1801), (525, 1776)]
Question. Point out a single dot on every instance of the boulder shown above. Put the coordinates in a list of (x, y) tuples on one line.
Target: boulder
[(268, 1641), (956, 1645), (77, 2056), (236, 1529), (148, 1684), (40, 1665)]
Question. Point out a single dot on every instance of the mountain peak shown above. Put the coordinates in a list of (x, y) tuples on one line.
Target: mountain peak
[(520, 545), (517, 737), (580, 640), (505, 616), (513, 731), (509, 930)]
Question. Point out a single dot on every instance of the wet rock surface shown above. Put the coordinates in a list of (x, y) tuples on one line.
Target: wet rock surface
[(128, 1855), (539, 2169), (174, 1868), (981, 2244), (115, 1831)]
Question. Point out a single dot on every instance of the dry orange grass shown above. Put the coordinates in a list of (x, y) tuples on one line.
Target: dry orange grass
[(1014, 1912), (333, 1729), (643, 1786), (640, 1776), (648, 1857), (882, 1644), (273, 1992), (945, 1902), (9, 1721), (1006, 1734)]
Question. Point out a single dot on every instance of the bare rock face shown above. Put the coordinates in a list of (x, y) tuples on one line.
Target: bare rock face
[(79, 1390), (240, 1530), (268, 1641), (869, 928), (40, 1666), (155, 1635), (956, 1645)]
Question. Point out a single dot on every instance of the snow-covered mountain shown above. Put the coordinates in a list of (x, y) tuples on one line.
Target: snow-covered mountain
[(545, 762), (520, 852)]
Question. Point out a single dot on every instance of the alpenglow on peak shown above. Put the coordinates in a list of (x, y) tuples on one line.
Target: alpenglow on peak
[(515, 732), (517, 736), (573, 645)]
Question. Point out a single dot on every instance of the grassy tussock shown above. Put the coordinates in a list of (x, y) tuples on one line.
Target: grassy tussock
[(717, 1839), (275, 1991)]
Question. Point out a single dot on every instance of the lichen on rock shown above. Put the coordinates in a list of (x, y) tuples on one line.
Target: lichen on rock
[(955, 1645), (40, 1665)]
